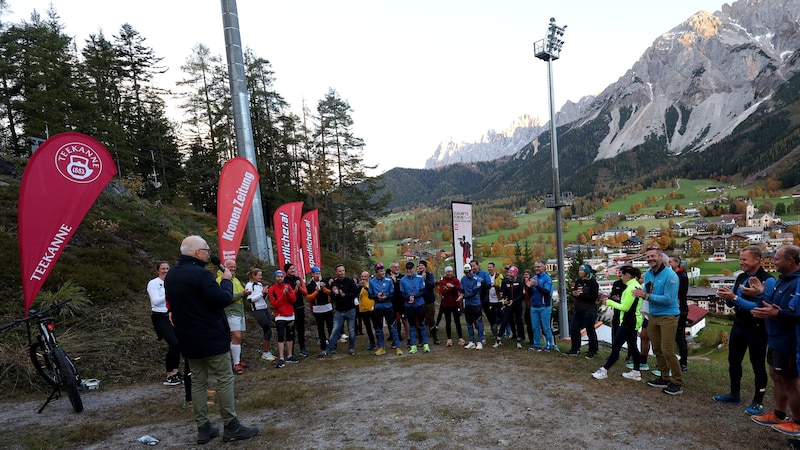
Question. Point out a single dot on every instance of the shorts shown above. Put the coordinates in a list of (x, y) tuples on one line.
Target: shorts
[(236, 323), (285, 329), (782, 363)]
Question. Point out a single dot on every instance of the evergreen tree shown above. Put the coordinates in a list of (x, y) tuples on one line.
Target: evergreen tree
[(37, 91), (354, 201)]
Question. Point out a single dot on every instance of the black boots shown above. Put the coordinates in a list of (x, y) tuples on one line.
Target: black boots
[(235, 431), (206, 433)]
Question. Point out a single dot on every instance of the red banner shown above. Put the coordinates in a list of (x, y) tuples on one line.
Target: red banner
[(237, 187), (309, 231), (286, 221), (61, 182)]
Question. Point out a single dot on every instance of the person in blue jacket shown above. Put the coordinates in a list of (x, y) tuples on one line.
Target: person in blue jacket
[(661, 291), (413, 286), (471, 284), (780, 314)]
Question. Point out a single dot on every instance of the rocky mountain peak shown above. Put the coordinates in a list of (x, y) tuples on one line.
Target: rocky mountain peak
[(690, 89)]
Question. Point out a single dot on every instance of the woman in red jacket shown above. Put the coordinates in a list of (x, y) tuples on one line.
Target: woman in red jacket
[(282, 298)]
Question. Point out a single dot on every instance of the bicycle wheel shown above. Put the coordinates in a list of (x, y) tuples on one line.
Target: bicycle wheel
[(69, 378), (42, 364)]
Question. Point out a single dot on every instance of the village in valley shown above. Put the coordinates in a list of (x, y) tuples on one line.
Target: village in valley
[(708, 245)]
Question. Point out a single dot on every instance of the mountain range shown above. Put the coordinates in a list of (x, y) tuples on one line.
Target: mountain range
[(716, 95)]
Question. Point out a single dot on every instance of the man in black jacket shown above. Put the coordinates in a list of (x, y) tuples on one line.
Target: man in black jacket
[(748, 334), (344, 296), (197, 304)]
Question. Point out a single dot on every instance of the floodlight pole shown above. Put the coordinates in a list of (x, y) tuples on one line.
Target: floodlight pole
[(549, 49), (260, 245)]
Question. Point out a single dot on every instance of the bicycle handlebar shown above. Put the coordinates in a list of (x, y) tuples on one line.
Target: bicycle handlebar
[(36, 315)]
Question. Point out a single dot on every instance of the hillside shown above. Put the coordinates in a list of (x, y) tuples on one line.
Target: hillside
[(112, 256)]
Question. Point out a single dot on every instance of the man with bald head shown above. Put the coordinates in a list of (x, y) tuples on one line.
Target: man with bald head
[(235, 314), (197, 304)]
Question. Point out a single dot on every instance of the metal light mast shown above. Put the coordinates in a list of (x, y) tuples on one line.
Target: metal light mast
[(256, 231), (549, 49)]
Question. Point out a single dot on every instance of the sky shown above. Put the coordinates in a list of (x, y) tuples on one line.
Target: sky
[(414, 72)]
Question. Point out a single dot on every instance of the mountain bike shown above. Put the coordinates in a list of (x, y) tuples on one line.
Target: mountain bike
[(49, 359)]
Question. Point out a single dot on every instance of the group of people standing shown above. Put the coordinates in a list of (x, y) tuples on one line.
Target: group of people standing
[(202, 318), (767, 326)]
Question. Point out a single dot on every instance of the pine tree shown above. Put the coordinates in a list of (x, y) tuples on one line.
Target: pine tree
[(354, 201)]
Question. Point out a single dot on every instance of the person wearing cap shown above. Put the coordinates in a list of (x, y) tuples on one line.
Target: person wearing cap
[(344, 294), (585, 292), (319, 298), (300, 292), (235, 315), (412, 286), (282, 297), (471, 297), (540, 290), (381, 290), (398, 304), (512, 294), (490, 298), (366, 308), (449, 288), (430, 299)]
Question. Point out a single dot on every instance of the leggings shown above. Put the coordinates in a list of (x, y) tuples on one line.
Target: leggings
[(680, 339), (263, 318), (322, 320), (165, 331), (741, 340), (451, 313)]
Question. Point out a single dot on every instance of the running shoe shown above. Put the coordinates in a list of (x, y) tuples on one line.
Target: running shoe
[(729, 399), (754, 409), (791, 428), (479, 346), (673, 389), (769, 419), (658, 382), (600, 374), (634, 375)]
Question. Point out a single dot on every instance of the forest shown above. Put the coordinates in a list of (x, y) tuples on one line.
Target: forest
[(104, 87)]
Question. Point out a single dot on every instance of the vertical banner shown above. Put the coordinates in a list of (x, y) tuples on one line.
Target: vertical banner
[(237, 186), (286, 221), (61, 182), (309, 229), (463, 250)]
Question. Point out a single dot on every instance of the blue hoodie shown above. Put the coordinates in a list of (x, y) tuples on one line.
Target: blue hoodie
[(662, 285), (413, 285)]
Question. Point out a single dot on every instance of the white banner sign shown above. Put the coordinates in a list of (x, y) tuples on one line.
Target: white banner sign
[(462, 234)]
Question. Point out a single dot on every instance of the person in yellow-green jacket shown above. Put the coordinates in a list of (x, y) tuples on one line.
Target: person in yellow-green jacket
[(235, 314), (630, 321)]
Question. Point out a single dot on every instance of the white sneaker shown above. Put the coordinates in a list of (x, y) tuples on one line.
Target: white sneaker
[(497, 344), (479, 346), (343, 338), (268, 356), (470, 345), (634, 375), (519, 344), (600, 374)]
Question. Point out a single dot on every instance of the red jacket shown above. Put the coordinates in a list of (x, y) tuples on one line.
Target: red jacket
[(282, 300), (449, 295)]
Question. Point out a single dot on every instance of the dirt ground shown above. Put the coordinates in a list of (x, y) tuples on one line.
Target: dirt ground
[(450, 398)]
